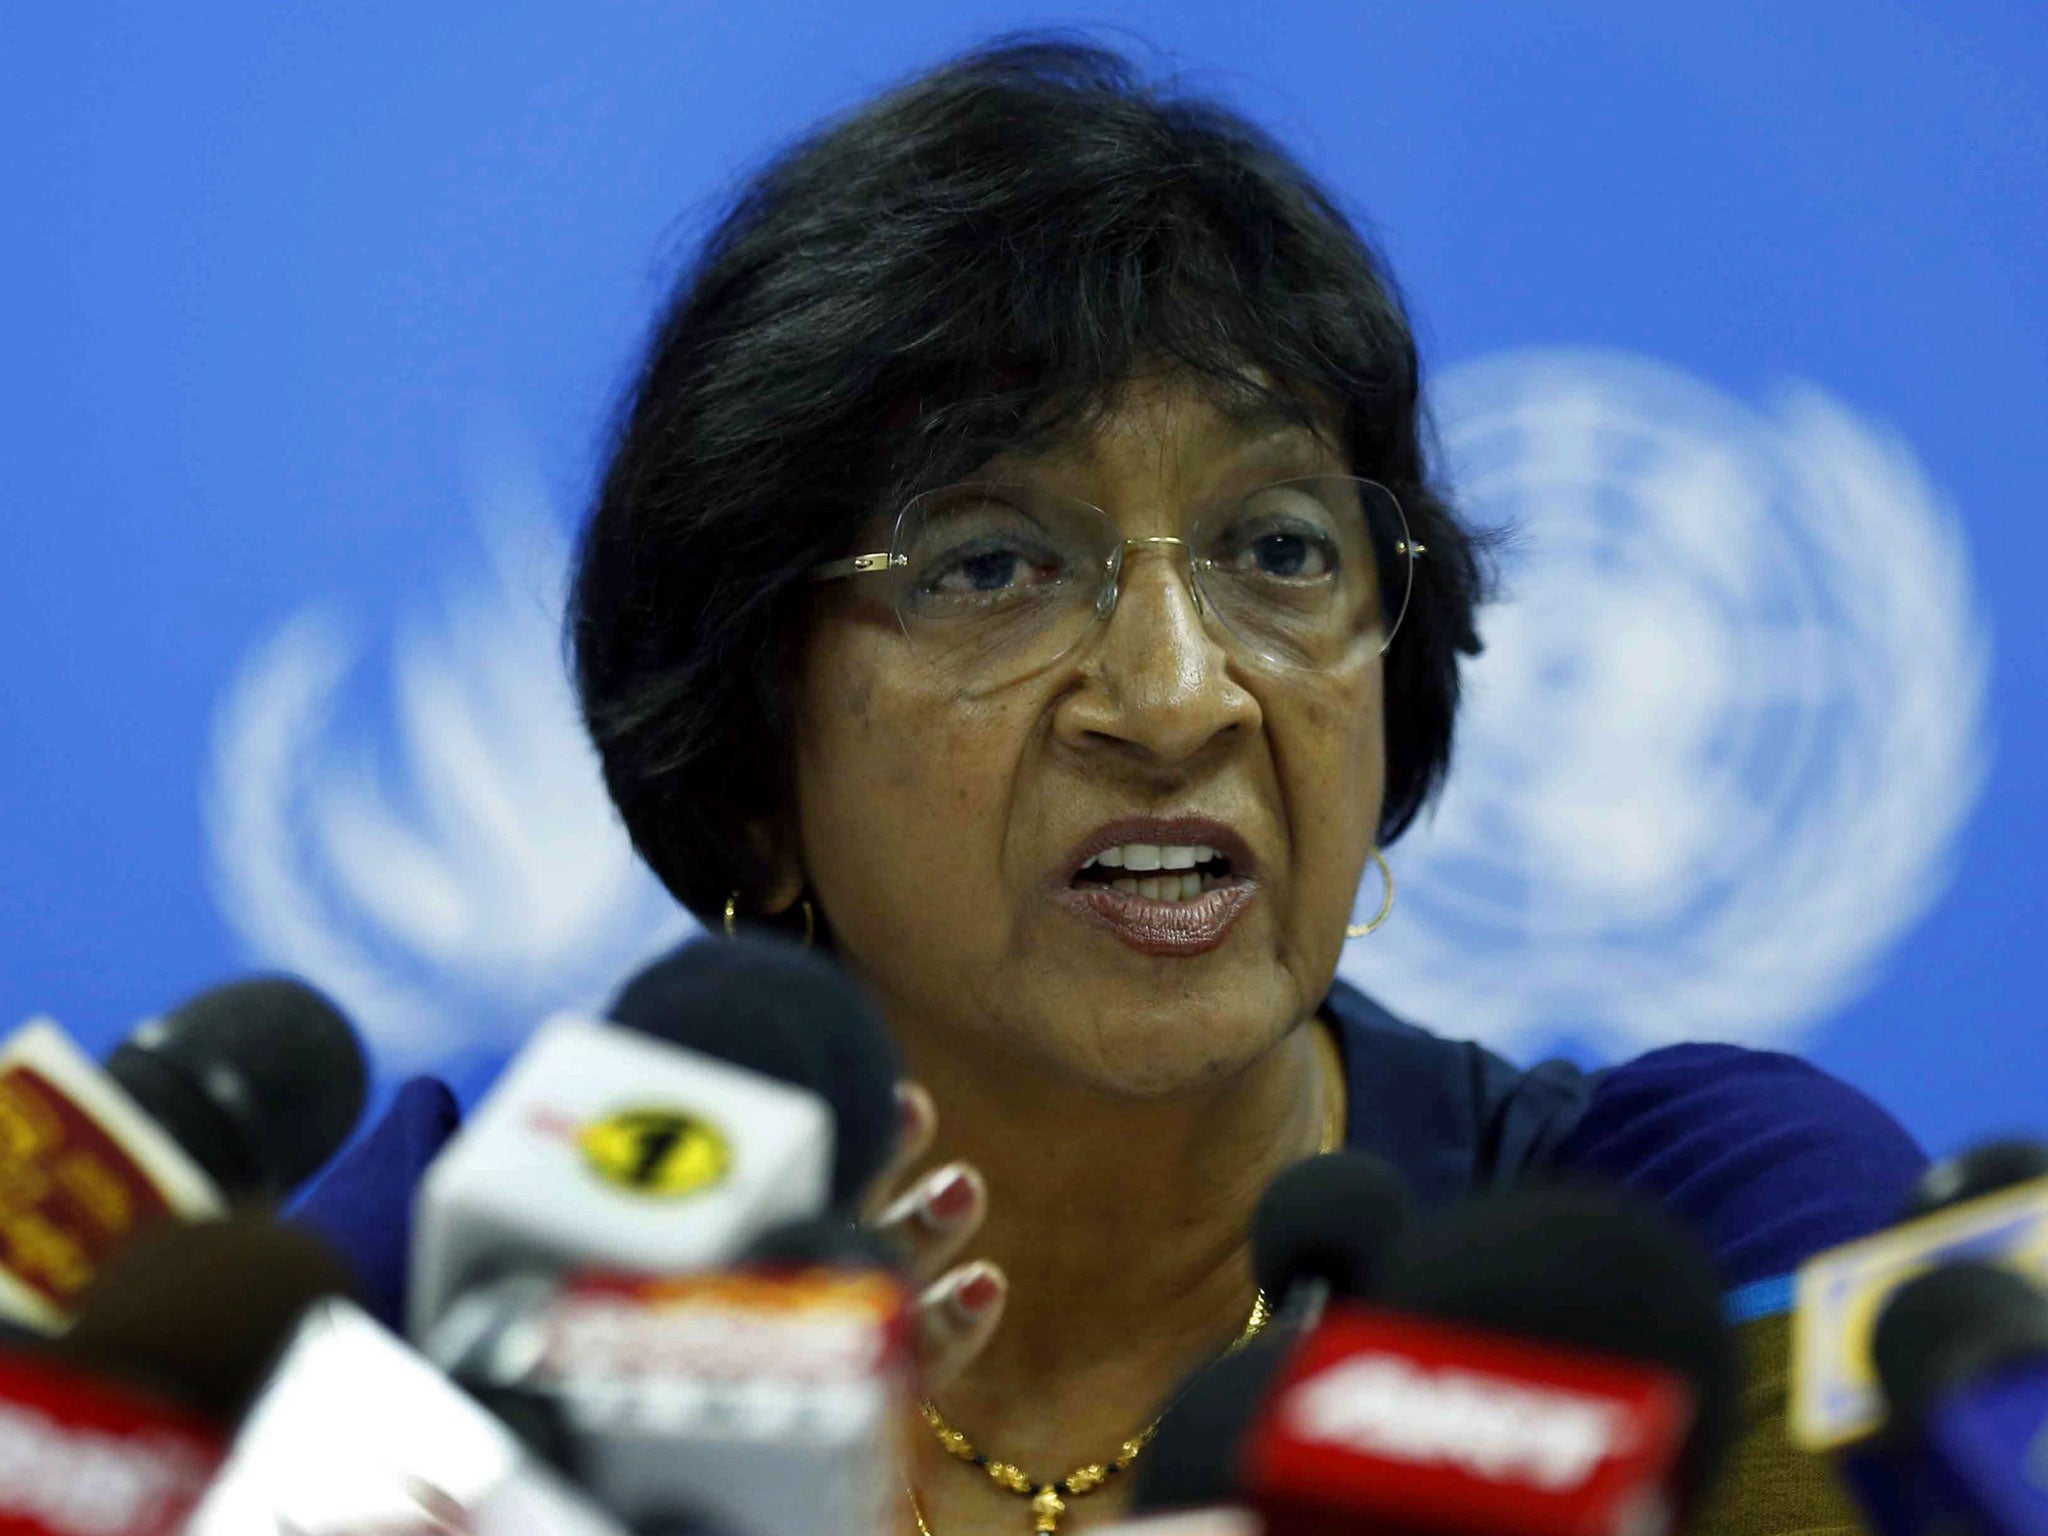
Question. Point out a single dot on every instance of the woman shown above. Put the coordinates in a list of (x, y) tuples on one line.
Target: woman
[(1020, 569)]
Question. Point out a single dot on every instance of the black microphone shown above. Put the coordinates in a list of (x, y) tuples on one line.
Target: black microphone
[(1588, 1267), (1192, 1462), (1962, 1353), (1325, 1228), (1927, 1430), (198, 1311), (1548, 1361), (119, 1427), (1985, 1169), (261, 1081), (239, 1093)]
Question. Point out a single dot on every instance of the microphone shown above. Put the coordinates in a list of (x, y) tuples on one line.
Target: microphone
[(1962, 1352), (1546, 1362), (1984, 1169), (1192, 1466), (353, 1432), (773, 1007), (198, 1311), (238, 1093), (1324, 1229), (84, 1457), (740, 1084), (116, 1428), (769, 1397), (342, 1429), (1988, 1206)]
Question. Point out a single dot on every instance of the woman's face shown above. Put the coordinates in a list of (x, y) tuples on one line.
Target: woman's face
[(942, 827)]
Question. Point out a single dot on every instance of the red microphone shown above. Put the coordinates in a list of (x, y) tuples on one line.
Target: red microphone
[(80, 1456), (1548, 1363), (1442, 1428)]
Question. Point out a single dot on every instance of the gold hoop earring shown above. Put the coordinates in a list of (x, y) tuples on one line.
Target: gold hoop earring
[(1355, 931), (732, 914)]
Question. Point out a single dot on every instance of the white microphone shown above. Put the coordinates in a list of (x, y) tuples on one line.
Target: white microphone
[(769, 1398), (307, 1415), (738, 1085), (354, 1433)]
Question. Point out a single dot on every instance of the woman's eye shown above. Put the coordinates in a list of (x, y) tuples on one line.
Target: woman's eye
[(1286, 554), (988, 571), (997, 568)]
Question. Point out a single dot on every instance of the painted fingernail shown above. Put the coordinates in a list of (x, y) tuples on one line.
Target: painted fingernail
[(949, 1196), (978, 1291)]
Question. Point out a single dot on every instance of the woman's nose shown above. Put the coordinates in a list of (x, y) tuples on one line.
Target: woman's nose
[(1160, 682)]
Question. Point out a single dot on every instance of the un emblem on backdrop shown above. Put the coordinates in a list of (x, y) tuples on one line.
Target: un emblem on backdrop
[(1728, 723), (429, 841), (1727, 726)]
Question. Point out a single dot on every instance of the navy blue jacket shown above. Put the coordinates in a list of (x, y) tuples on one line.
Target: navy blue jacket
[(1768, 1158)]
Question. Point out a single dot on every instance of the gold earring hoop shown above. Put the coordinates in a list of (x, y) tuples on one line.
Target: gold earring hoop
[(1355, 930), (732, 914)]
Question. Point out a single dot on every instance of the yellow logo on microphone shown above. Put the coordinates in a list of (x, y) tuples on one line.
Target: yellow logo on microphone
[(666, 1153)]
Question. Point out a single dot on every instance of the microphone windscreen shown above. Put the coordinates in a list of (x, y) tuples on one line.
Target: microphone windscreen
[(1333, 1218), (1588, 1267), (200, 1310), (261, 1081), (1982, 1170), (1942, 1329), (1193, 1459), (789, 1013)]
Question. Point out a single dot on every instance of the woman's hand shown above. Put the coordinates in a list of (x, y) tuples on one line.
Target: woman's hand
[(934, 1219)]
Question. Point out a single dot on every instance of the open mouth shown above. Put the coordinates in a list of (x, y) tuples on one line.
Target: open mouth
[(1157, 871)]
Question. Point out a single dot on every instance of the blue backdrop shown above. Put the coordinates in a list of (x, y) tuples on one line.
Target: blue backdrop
[(313, 315)]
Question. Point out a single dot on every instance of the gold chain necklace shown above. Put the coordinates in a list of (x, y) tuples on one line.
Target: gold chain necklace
[(1049, 1497)]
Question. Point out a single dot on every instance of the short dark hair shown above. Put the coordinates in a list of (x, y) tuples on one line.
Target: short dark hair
[(965, 265)]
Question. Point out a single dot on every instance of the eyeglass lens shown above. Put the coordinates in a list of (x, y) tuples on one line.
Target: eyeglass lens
[(1000, 580)]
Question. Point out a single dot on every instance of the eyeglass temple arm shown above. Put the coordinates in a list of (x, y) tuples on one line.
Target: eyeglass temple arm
[(857, 565)]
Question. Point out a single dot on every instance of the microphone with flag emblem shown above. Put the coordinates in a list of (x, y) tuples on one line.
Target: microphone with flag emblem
[(239, 1093)]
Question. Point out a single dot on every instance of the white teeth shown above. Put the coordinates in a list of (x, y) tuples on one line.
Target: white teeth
[(1155, 889), (1125, 884), (1179, 858)]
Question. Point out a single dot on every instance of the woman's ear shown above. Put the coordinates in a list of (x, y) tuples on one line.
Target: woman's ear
[(773, 841)]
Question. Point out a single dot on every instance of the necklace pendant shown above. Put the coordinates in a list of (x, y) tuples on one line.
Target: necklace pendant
[(1046, 1508)]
